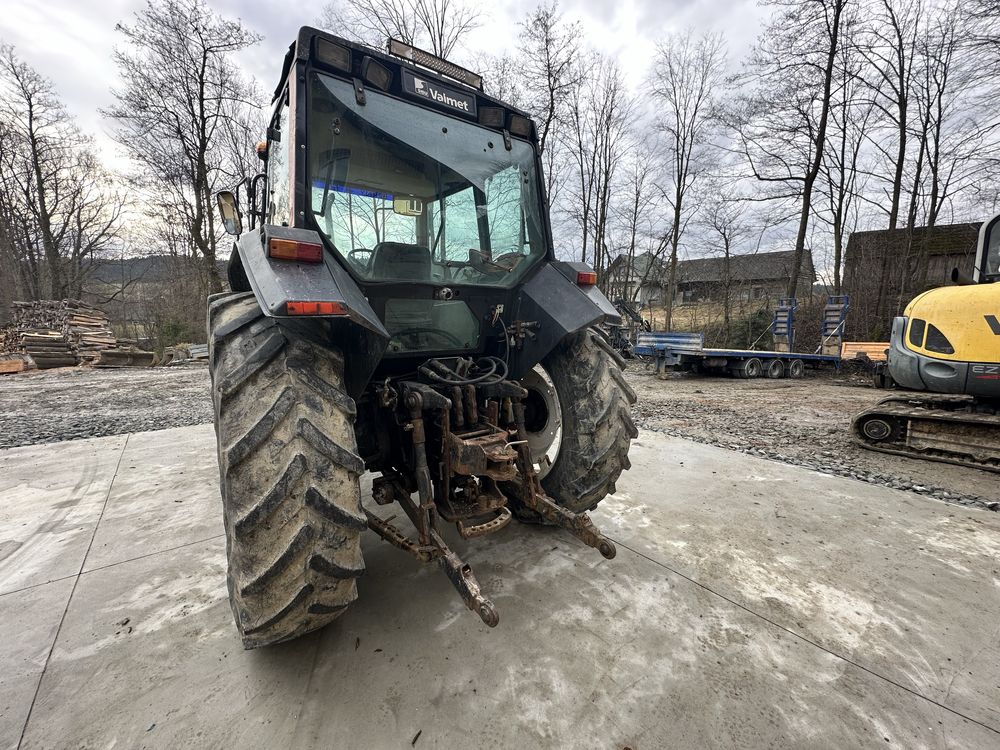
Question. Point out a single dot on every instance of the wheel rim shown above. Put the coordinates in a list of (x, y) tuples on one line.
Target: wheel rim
[(876, 429), (795, 368), (542, 419), (753, 368), (775, 369)]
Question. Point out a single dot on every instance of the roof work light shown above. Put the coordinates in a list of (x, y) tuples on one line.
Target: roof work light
[(435, 63)]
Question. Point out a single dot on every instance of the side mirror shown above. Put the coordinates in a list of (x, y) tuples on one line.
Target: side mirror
[(229, 210)]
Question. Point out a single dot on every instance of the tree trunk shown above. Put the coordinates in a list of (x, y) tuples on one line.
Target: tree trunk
[(675, 241), (838, 253), (897, 179), (818, 145)]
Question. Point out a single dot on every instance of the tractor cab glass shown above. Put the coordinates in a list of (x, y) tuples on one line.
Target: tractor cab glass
[(404, 194)]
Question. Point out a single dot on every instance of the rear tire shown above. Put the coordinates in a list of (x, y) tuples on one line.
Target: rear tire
[(288, 469), (796, 369), (597, 426)]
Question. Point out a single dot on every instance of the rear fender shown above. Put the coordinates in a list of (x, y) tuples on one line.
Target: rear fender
[(553, 299), (359, 334)]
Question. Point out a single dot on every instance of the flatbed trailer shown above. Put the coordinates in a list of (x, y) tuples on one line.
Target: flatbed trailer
[(686, 351), (743, 363)]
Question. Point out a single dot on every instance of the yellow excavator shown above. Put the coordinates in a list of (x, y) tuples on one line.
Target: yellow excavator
[(947, 344)]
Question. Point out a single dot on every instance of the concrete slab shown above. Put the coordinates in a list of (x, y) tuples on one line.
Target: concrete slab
[(27, 628), (179, 467), (51, 499), (906, 586), (589, 653)]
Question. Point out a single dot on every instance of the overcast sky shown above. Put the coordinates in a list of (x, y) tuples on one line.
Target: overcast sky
[(70, 41)]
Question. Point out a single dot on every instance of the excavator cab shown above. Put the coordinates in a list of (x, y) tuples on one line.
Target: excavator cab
[(988, 253)]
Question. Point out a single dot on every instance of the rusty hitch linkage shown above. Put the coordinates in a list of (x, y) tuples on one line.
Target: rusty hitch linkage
[(429, 544), (423, 513), (531, 494)]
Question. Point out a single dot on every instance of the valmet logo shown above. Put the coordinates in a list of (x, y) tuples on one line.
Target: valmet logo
[(441, 94)]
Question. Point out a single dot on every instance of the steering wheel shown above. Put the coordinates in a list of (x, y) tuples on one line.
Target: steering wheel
[(501, 264), (509, 260), (354, 257), (447, 335)]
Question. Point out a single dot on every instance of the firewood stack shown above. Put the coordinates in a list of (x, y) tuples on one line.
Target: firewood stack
[(58, 333), (83, 331), (47, 348), (89, 329), (10, 340)]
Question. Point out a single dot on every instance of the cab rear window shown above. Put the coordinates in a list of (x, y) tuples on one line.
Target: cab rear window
[(937, 341), (916, 336)]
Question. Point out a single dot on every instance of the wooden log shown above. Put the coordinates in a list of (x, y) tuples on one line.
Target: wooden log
[(125, 358), (51, 355), (8, 366)]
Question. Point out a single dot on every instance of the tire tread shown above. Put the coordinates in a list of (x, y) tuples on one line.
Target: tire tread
[(288, 469), (597, 426)]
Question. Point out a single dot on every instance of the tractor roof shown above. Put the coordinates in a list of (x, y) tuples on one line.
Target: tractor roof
[(303, 49)]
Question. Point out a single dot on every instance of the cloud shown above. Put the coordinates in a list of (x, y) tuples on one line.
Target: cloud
[(71, 41)]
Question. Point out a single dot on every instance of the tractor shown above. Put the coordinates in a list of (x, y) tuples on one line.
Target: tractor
[(397, 308)]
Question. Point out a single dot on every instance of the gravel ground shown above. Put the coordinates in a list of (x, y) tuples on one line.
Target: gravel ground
[(802, 422), (45, 406)]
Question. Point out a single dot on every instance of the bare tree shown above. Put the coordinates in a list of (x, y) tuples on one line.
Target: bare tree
[(502, 77), (600, 113), (437, 25), (21, 258), (951, 135), (842, 174), (952, 131), (890, 47), (724, 216), (687, 76), (781, 122), (552, 66), (636, 219), (179, 87), (242, 127), (550, 51), (58, 208)]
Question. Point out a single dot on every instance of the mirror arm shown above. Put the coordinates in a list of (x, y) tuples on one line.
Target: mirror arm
[(256, 193)]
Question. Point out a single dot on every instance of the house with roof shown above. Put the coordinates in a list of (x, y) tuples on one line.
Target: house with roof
[(759, 276), (884, 269)]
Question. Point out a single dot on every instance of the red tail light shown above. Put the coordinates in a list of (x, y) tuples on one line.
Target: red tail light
[(315, 308), (305, 252), (586, 278)]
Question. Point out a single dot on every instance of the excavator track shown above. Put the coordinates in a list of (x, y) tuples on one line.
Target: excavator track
[(956, 430)]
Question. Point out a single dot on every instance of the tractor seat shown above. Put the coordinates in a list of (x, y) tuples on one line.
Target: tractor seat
[(399, 260)]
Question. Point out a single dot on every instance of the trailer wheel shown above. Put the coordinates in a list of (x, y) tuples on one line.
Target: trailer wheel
[(582, 379), (748, 368), (796, 368), (775, 369), (289, 472)]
